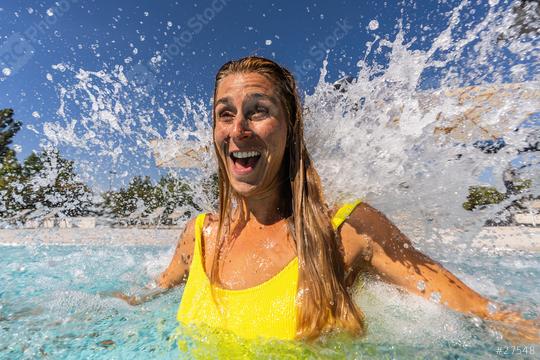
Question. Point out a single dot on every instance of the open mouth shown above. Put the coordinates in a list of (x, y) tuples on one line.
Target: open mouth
[(245, 161)]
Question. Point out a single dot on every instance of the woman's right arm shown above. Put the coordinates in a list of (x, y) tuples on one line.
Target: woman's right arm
[(174, 274), (178, 269)]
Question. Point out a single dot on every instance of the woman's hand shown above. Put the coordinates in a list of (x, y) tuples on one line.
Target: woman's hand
[(130, 299), (515, 328), (141, 297)]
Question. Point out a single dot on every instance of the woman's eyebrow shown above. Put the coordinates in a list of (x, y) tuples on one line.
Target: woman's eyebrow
[(260, 96), (224, 100)]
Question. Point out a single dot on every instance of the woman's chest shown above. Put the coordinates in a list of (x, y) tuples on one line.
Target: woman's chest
[(249, 258)]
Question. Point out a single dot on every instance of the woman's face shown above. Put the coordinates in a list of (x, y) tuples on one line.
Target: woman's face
[(250, 132)]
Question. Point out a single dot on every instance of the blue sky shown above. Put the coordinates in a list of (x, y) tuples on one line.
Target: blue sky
[(96, 35)]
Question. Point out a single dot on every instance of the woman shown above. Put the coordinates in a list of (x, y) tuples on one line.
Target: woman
[(276, 261)]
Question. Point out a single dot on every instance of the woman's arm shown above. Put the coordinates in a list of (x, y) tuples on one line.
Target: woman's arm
[(174, 274), (178, 269), (371, 242), (393, 257)]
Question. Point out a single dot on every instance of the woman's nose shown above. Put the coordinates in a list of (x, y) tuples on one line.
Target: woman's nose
[(241, 127)]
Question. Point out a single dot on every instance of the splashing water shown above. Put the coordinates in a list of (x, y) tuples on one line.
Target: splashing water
[(405, 133), (411, 150)]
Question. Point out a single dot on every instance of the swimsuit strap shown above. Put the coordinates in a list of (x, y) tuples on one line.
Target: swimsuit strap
[(343, 213)]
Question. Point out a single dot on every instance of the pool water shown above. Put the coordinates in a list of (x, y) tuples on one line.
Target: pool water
[(54, 305)]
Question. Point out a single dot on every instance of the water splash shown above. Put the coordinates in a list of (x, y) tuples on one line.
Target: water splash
[(405, 133), (413, 152)]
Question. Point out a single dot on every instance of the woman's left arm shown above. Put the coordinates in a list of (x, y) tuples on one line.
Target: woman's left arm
[(371, 242), (394, 259)]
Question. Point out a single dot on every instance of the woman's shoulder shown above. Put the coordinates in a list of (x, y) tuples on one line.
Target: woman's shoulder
[(191, 228), (194, 230), (210, 220), (355, 239), (360, 215)]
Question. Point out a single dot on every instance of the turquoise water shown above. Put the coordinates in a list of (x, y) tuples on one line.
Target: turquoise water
[(53, 305)]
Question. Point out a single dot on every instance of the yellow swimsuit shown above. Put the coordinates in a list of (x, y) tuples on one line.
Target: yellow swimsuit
[(265, 310)]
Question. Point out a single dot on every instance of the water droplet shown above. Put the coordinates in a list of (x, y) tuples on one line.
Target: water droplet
[(36, 114), (146, 13), (373, 25), (421, 285), (476, 321), (50, 12), (435, 297), (268, 42), (169, 23), (135, 51), (493, 2), (492, 308), (60, 67), (30, 10), (49, 77), (6, 71)]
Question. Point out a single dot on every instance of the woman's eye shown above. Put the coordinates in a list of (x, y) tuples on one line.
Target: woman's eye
[(259, 112), (225, 115)]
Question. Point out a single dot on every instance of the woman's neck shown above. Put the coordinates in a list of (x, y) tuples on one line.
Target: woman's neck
[(264, 209)]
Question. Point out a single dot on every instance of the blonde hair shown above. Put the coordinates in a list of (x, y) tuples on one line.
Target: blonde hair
[(322, 299)]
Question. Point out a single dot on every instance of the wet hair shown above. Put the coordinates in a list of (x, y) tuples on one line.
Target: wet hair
[(323, 302)]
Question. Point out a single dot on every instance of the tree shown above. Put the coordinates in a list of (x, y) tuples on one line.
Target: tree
[(169, 192), (482, 195), (175, 193), (211, 187), (140, 193), (50, 181), (11, 199), (8, 128)]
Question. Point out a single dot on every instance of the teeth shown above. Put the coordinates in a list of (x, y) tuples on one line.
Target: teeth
[(245, 154)]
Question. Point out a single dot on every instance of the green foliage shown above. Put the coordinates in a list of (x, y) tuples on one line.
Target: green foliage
[(481, 196), (487, 195), (140, 191), (174, 193), (11, 199), (520, 185), (169, 193), (47, 180), (211, 187), (50, 181), (44, 180), (8, 128)]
